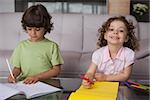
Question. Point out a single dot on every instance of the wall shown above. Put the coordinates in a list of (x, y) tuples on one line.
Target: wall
[(7, 6), (116, 7)]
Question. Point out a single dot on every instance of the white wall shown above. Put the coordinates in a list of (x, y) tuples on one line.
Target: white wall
[(144, 30), (7, 6)]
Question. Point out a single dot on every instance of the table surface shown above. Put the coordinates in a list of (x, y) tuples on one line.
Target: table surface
[(72, 84)]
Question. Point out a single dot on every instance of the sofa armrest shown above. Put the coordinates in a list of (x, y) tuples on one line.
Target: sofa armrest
[(144, 49)]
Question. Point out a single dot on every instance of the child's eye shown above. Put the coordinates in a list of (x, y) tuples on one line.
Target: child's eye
[(38, 29), (111, 29), (29, 29), (121, 31)]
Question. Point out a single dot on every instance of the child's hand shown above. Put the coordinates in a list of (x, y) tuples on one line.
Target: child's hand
[(88, 81), (86, 84), (11, 79), (100, 77), (31, 80)]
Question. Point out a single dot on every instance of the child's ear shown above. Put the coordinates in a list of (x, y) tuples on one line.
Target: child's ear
[(105, 35), (127, 38)]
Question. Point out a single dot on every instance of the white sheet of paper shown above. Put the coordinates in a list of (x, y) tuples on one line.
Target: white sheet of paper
[(6, 92), (32, 90)]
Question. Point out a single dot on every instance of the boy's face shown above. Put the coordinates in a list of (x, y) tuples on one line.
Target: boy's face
[(35, 34), (116, 33)]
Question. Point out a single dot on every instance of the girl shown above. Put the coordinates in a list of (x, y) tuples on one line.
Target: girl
[(37, 58), (114, 60)]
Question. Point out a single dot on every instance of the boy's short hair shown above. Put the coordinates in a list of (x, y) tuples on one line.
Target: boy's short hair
[(37, 16)]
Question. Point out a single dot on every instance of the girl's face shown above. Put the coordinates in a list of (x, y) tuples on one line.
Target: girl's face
[(116, 33), (35, 34)]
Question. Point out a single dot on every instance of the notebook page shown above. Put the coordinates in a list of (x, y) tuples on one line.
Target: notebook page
[(34, 90), (6, 92)]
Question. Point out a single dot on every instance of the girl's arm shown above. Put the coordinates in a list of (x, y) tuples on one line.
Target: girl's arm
[(122, 76), (90, 75), (16, 72), (44, 75), (91, 71)]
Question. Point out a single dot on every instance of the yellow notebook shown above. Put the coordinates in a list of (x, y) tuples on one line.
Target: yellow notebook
[(99, 91)]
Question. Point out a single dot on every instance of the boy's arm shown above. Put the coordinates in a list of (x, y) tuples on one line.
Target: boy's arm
[(44, 75), (50, 73), (122, 76)]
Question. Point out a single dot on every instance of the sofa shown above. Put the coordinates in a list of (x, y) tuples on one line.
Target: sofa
[(76, 35)]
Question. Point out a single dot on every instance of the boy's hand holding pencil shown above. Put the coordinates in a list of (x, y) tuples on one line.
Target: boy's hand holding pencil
[(11, 77)]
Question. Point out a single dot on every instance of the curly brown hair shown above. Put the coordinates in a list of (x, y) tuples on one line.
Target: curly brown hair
[(132, 42), (37, 16)]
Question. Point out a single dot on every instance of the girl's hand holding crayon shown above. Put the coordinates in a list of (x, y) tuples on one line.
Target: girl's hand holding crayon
[(87, 80)]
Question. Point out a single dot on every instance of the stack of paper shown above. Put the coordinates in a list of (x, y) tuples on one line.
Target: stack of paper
[(99, 91)]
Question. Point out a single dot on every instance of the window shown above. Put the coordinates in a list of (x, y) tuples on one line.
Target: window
[(62, 6)]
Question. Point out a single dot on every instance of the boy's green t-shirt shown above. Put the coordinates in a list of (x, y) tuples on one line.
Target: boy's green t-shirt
[(36, 57)]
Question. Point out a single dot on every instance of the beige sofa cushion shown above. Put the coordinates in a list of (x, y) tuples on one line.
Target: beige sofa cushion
[(9, 30), (71, 38)]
